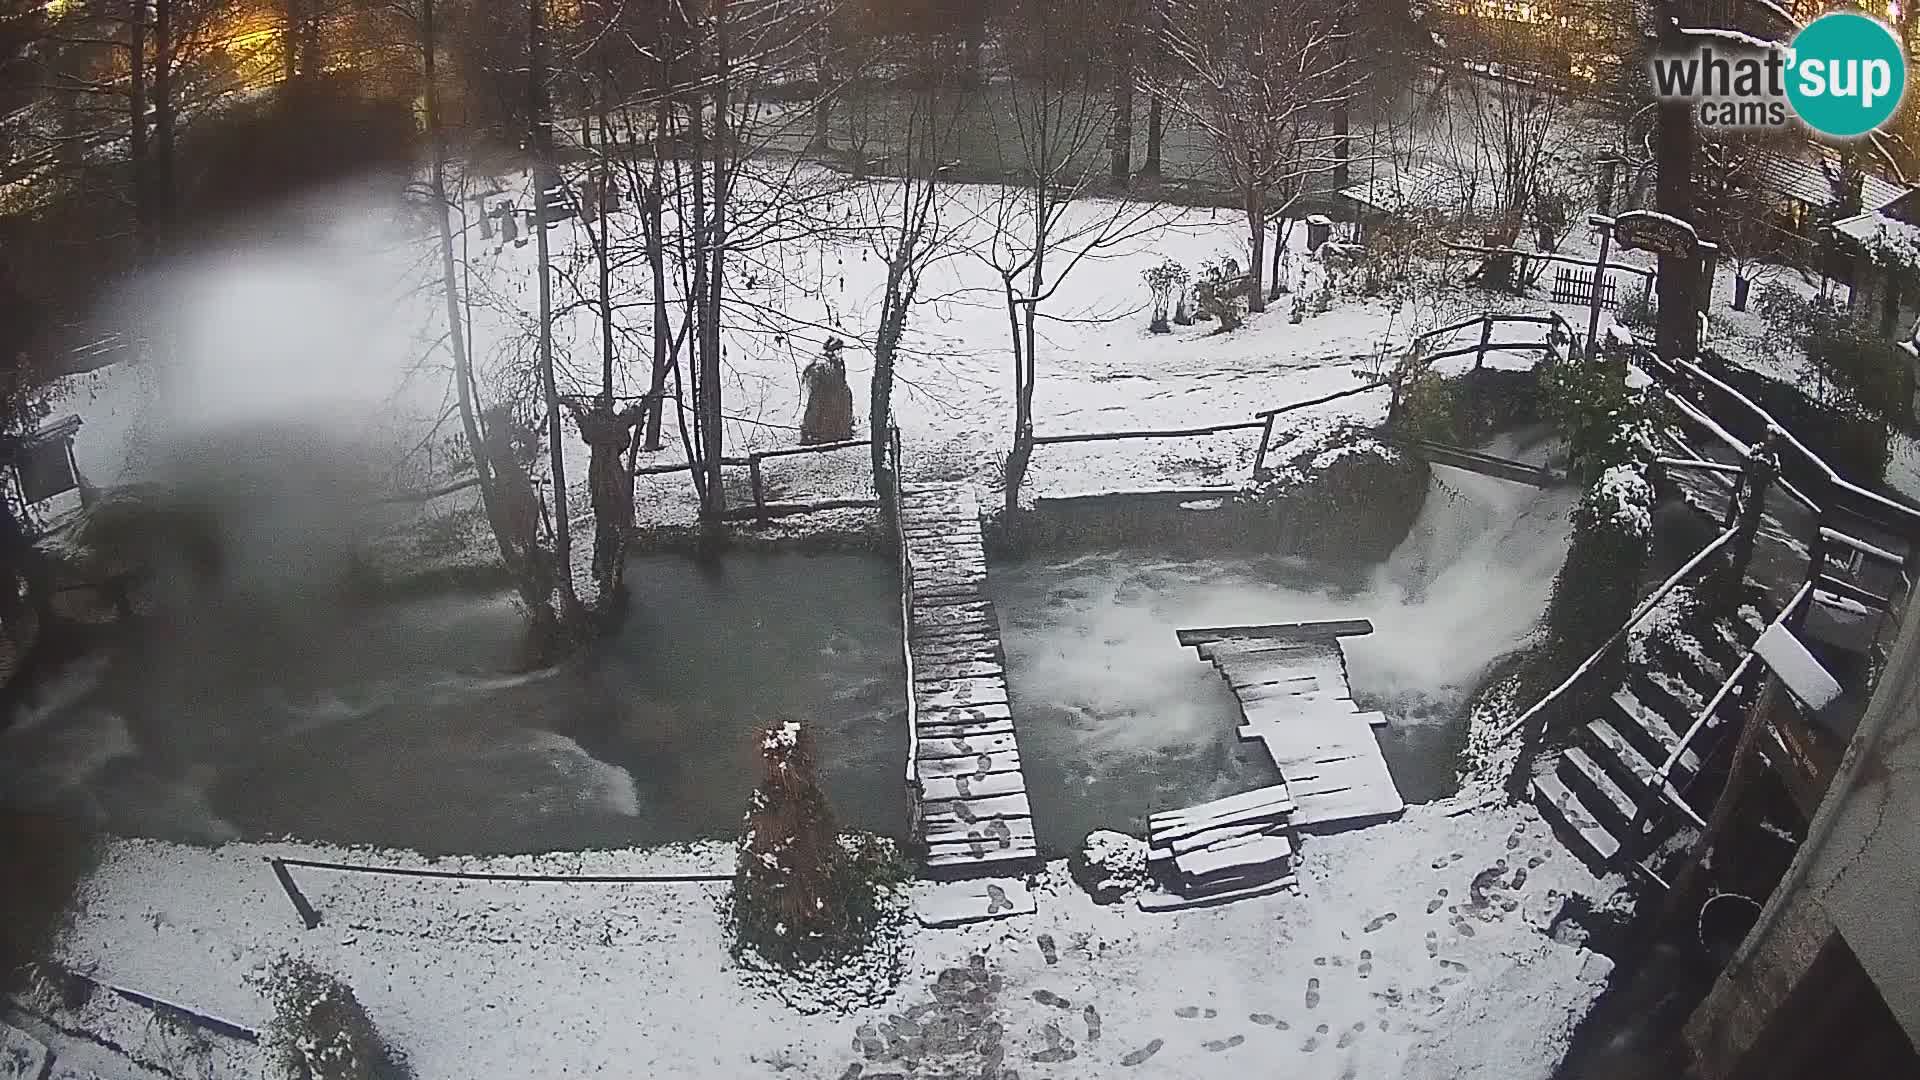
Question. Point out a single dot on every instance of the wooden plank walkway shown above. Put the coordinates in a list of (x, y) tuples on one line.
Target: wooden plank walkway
[(1295, 700), (974, 815)]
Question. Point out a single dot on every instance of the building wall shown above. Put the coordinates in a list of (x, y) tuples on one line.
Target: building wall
[(1857, 875)]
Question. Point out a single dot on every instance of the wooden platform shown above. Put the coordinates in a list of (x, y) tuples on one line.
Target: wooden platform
[(973, 812), (1294, 699), (1221, 851)]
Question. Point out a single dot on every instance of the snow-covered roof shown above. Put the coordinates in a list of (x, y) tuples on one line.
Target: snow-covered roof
[(1886, 237), (1804, 180), (1420, 188)]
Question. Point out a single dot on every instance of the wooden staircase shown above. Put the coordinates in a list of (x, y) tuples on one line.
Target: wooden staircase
[(1599, 783)]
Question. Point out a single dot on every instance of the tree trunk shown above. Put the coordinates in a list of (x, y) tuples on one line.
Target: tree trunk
[(1677, 332), (525, 576), (1257, 234), (138, 150), (1342, 145), (706, 464), (822, 106), (542, 144), (1122, 164), (715, 429), (163, 118), (880, 394), (1151, 167)]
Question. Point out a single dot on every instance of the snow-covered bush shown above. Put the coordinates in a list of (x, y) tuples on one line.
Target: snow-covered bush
[(1111, 866), (1606, 422), (1219, 292), (320, 1031), (1599, 585), (1162, 281), (799, 893)]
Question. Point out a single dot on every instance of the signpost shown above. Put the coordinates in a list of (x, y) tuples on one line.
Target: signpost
[(1662, 234)]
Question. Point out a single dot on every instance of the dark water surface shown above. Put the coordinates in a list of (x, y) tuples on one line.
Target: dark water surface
[(390, 726)]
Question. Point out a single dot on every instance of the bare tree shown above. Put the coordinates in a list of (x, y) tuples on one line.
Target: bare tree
[(909, 234), (1263, 80), (1043, 219)]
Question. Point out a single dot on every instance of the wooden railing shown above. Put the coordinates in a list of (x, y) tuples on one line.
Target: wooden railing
[(892, 512), (761, 509)]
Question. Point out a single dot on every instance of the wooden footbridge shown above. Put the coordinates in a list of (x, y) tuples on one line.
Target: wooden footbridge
[(963, 767)]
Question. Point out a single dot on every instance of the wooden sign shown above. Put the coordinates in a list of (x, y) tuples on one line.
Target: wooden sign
[(1661, 234)]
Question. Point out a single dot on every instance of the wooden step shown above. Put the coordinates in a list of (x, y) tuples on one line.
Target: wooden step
[(1650, 733), (963, 902), (1238, 856), (1564, 811), (981, 809), (1612, 808), (1271, 795), (947, 829), (1622, 760)]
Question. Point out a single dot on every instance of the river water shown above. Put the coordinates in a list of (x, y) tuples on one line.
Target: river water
[(1117, 720), (393, 726), (390, 726)]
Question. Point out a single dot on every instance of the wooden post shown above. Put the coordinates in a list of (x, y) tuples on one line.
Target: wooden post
[(307, 914), (759, 496), (1486, 336), (1709, 266), (1746, 753), (1266, 436), (1599, 275)]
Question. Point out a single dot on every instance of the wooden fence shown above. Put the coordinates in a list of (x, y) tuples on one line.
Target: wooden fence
[(762, 508), (1575, 286)]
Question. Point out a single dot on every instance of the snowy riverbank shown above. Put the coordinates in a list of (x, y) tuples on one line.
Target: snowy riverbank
[(1419, 948)]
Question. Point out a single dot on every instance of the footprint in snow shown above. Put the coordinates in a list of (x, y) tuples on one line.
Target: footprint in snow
[(1466, 929), (1187, 1012), (1366, 963), (1535, 862), (1313, 993), (853, 1071), (1092, 1017), (1454, 856), (1383, 1023), (1312, 1044), (1346, 1037), (1519, 878), (1433, 905), (1433, 943), (1454, 965), (1211, 1013), (1263, 1019), (1379, 921), (1218, 1045), (1047, 949), (1048, 997), (1319, 961), (1140, 1056)]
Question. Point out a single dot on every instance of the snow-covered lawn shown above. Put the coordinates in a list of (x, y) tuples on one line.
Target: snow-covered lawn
[(1418, 948)]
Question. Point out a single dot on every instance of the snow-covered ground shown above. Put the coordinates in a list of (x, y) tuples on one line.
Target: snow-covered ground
[(1418, 948)]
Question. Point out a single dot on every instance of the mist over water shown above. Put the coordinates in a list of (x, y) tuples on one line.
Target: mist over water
[(1117, 720), (396, 725)]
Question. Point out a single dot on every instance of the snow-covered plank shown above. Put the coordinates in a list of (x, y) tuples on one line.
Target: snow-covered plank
[(972, 787), (1295, 631), (1155, 900), (960, 902), (1803, 675), (1218, 834), (1274, 795), (968, 747), (979, 730), (937, 715), (961, 692), (975, 765), (932, 670), (952, 830), (1242, 854), (980, 809)]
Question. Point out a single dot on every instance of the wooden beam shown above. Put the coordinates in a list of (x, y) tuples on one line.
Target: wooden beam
[(1162, 433), (1361, 389), (1321, 630)]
